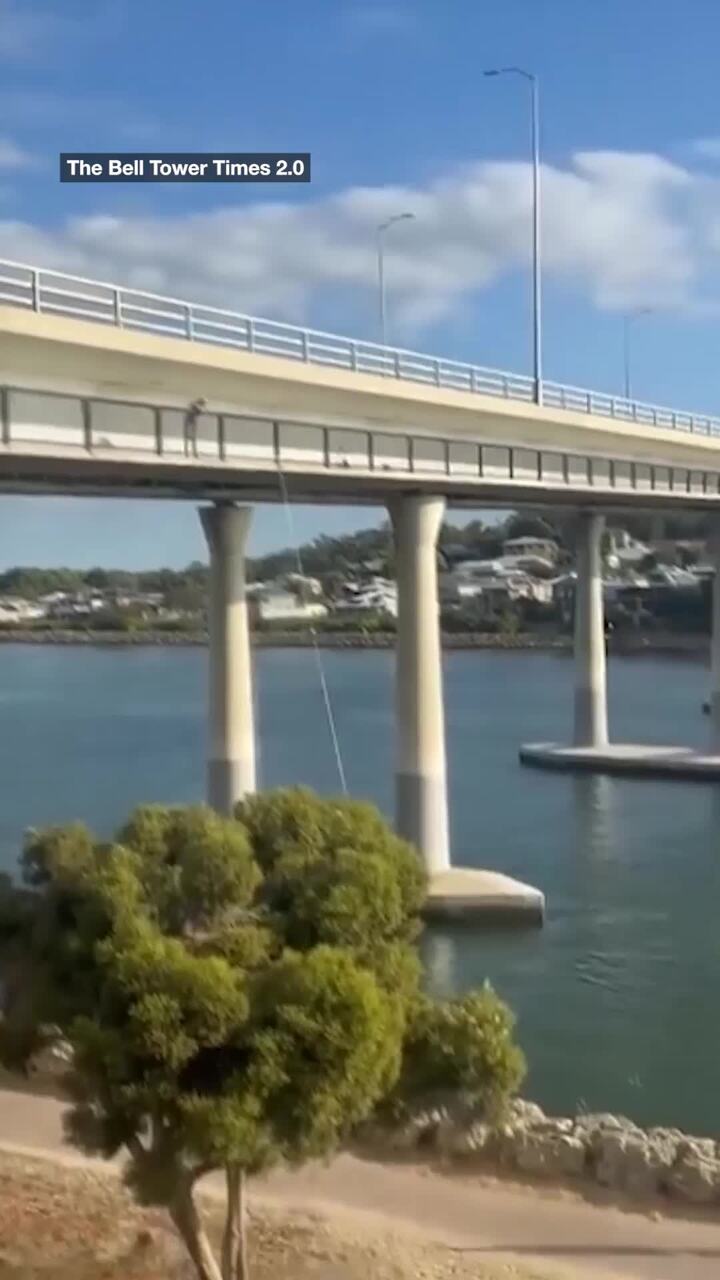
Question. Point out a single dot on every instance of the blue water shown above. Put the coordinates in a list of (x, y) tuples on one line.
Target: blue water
[(617, 997)]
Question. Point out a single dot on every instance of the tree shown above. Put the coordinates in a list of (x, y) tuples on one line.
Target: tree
[(462, 1046), (236, 993)]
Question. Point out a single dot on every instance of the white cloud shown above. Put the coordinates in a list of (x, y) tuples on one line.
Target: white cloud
[(622, 229), (706, 147)]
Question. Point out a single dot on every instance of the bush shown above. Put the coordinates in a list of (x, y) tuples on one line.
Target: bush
[(461, 1046)]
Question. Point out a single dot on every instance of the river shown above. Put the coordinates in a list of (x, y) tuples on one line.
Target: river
[(617, 997)]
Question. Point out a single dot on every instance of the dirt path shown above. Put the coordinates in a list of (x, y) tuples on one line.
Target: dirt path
[(480, 1219)]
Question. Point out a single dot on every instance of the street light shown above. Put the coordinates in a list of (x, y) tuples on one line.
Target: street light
[(628, 317), (537, 266), (397, 217)]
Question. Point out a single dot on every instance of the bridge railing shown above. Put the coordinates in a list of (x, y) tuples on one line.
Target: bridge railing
[(52, 292)]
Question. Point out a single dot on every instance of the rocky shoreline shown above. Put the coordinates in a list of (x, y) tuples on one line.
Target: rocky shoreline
[(590, 1149), (598, 1149), (628, 644)]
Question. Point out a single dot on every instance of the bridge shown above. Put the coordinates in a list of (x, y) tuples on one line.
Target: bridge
[(95, 381), (115, 391)]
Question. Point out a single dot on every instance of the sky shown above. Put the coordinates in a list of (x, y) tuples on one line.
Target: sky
[(390, 99)]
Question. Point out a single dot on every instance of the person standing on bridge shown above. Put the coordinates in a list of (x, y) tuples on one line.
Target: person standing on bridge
[(190, 432)]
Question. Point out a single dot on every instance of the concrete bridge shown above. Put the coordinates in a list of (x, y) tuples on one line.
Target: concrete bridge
[(113, 391)]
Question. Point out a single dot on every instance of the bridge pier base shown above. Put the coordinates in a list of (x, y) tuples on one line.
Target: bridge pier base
[(591, 751), (231, 736), (421, 771), (714, 701), (590, 728)]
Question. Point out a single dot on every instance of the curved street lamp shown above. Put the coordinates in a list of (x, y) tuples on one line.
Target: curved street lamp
[(628, 319), (536, 247), (397, 217)]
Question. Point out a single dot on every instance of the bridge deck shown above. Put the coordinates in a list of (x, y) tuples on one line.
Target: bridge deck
[(87, 405)]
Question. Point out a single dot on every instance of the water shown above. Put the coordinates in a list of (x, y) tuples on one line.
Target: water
[(617, 997)]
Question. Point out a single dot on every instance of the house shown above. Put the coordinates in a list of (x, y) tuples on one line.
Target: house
[(276, 605), (81, 605), (546, 548), (377, 596), (490, 593), (151, 600), (18, 610), (624, 551), (303, 585)]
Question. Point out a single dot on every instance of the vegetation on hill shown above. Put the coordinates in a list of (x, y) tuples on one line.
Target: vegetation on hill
[(331, 558), (237, 993)]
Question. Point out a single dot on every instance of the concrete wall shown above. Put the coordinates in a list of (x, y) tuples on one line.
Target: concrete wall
[(87, 358)]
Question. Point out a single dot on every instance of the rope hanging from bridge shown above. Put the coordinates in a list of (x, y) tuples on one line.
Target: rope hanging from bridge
[(329, 713)]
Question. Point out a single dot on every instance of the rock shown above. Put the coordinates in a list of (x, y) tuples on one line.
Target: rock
[(552, 1155), (550, 1124), (612, 1148), (52, 1061), (524, 1113), (647, 1164), (628, 1160), (695, 1179), (464, 1140), (608, 1147), (672, 1137), (415, 1132), (704, 1148), (602, 1120), (420, 1131)]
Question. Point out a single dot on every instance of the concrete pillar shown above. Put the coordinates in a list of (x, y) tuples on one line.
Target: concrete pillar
[(420, 779), (231, 757), (590, 678), (714, 550)]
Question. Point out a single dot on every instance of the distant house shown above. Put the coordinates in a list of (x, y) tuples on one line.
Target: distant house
[(546, 548), (152, 600), (303, 585), (18, 610), (624, 551), (490, 592), (379, 595), (283, 606), (66, 604), (477, 569)]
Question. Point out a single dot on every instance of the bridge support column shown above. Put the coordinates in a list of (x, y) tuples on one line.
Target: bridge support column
[(590, 726), (714, 549), (421, 787), (231, 738)]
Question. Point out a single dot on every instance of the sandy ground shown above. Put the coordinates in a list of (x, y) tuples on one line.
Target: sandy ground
[(470, 1223), (59, 1222)]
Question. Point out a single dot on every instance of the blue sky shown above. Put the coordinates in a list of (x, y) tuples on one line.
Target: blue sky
[(389, 98)]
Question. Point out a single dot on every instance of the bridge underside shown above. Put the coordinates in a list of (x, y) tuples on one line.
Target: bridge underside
[(52, 443), (125, 478)]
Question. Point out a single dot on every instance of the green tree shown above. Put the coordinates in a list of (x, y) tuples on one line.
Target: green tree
[(236, 993), (462, 1047)]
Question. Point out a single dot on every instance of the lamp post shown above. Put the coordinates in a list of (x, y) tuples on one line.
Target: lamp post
[(397, 217), (536, 245), (628, 318)]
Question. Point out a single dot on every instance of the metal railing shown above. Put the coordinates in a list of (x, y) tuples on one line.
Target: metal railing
[(68, 427), (53, 292)]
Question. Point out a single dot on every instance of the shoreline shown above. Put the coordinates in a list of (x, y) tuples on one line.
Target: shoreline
[(667, 644)]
